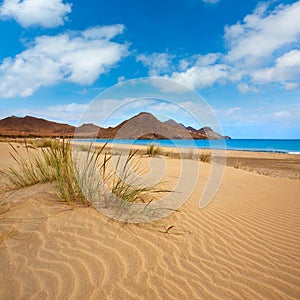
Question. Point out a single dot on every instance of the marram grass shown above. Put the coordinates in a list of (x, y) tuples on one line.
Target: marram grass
[(78, 178), (205, 157), (52, 164), (153, 150)]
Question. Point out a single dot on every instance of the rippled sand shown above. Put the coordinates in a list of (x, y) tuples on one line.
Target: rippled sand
[(244, 245)]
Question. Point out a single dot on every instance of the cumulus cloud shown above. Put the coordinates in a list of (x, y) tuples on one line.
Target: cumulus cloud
[(202, 76), (261, 33), (75, 56), (245, 88), (286, 68), (261, 49), (198, 71), (158, 63), (201, 71), (198, 60), (48, 14)]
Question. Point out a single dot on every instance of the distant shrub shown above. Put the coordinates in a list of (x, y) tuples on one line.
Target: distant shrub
[(205, 157), (238, 165), (39, 143), (153, 150), (190, 154)]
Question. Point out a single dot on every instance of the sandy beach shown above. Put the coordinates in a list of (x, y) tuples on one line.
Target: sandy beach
[(244, 245)]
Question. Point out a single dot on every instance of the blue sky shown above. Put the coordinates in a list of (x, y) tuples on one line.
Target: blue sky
[(243, 57)]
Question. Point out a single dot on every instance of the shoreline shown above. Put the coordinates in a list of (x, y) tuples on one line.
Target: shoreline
[(125, 146), (229, 148), (156, 142), (280, 165)]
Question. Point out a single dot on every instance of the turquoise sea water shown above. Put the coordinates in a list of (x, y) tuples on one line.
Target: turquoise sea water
[(284, 146)]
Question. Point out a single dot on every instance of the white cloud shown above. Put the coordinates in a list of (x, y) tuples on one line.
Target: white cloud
[(286, 68), (103, 32), (44, 13), (229, 112), (259, 116), (262, 33), (65, 113), (290, 85), (99, 112), (168, 86), (201, 71), (158, 63), (231, 115), (245, 88), (78, 57), (287, 116), (198, 77), (262, 49), (121, 78), (197, 71), (198, 60)]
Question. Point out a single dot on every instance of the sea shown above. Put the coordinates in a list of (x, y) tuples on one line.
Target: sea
[(255, 145)]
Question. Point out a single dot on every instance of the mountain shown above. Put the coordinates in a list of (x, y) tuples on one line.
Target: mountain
[(209, 133), (86, 130), (31, 126), (174, 124), (142, 126), (197, 134), (146, 126)]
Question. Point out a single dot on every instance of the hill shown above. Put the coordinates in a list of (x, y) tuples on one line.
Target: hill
[(31, 126), (142, 126)]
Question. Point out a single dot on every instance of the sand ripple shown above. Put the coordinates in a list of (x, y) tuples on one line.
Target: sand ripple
[(244, 245)]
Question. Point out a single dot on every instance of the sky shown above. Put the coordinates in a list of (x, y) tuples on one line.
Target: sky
[(242, 57)]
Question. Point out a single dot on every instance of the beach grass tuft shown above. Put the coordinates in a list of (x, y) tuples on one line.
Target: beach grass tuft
[(205, 157), (238, 165), (40, 142), (153, 150), (51, 164), (78, 177)]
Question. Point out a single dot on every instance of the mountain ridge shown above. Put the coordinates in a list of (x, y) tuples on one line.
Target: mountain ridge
[(141, 126)]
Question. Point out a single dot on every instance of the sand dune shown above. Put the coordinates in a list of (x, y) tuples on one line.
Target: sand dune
[(244, 245)]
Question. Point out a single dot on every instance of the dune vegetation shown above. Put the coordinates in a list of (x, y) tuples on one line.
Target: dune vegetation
[(78, 177)]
